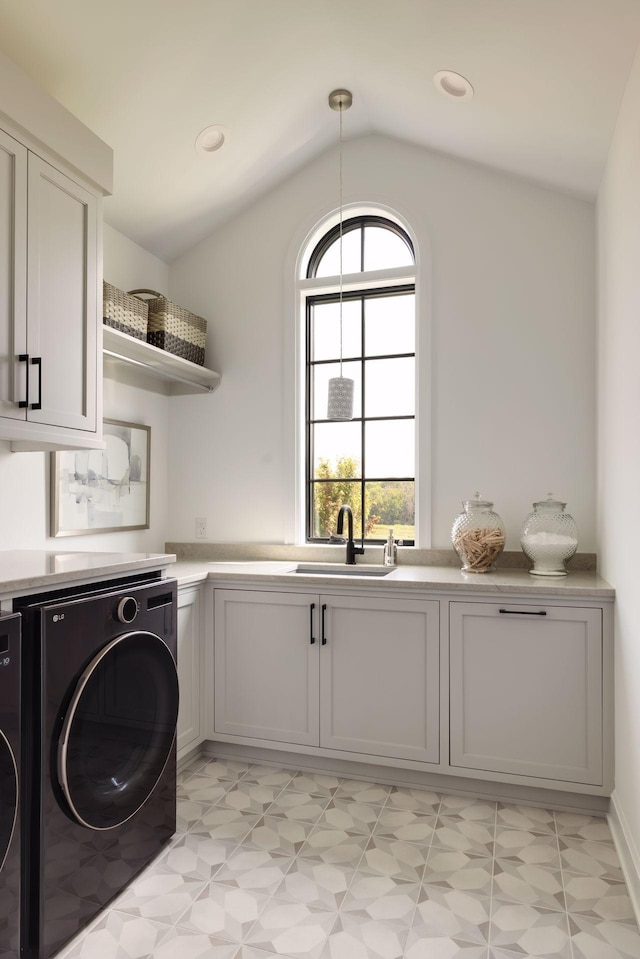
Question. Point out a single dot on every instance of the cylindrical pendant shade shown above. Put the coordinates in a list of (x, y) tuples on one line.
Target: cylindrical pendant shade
[(340, 402)]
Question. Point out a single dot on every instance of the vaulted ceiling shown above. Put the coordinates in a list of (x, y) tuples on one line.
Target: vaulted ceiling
[(148, 75)]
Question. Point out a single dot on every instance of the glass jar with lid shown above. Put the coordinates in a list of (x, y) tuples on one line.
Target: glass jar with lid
[(549, 537), (478, 535)]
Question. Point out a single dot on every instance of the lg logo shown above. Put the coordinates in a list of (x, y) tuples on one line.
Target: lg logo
[(58, 617)]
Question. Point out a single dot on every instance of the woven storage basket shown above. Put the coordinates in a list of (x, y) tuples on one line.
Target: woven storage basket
[(124, 312), (175, 329)]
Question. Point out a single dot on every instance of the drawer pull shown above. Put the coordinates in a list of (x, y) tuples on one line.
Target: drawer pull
[(523, 612), (37, 361), (312, 638), (324, 636)]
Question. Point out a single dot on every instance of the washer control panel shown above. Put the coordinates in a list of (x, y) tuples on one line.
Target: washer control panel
[(127, 609)]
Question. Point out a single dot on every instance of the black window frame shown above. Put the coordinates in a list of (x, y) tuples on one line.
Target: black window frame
[(354, 223)]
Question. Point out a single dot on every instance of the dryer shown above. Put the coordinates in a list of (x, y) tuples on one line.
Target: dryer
[(103, 690), (10, 745)]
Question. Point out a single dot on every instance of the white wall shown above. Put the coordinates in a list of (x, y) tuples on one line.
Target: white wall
[(513, 343), (618, 218), (24, 477)]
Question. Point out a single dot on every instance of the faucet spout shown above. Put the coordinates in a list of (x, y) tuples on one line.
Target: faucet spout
[(352, 549)]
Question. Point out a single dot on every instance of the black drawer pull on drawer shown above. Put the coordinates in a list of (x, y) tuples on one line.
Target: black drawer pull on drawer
[(523, 612), (323, 641), (312, 638)]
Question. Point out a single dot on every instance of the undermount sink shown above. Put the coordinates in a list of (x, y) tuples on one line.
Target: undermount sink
[(323, 569)]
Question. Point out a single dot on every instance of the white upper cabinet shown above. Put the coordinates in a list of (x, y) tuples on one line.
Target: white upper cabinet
[(62, 312), (52, 179)]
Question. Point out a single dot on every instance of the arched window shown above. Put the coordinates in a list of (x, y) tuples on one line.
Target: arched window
[(368, 462)]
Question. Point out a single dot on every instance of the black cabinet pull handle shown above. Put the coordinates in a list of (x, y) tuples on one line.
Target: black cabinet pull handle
[(37, 361), (324, 638), (24, 358), (523, 612), (312, 639)]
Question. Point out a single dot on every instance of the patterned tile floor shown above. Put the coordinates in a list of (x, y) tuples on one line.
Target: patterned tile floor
[(271, 863)]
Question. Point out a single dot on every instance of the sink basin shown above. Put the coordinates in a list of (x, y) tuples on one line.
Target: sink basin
[(323, 569)]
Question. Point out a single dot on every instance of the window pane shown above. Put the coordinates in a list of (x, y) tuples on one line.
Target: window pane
[(384, 249), (327, 500), (329, 265), (389, 387), (337, 450), (389, 324), (390, 448), (325, 330), (390, 505), (321, 375)]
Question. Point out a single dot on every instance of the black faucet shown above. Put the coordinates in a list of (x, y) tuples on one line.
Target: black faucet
[(352, 549)]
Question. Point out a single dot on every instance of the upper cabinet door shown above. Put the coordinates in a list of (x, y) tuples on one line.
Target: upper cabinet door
[(13, 275), (62, 299)]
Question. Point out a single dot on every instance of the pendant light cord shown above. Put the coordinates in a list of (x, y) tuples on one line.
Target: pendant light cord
[(340, 111)]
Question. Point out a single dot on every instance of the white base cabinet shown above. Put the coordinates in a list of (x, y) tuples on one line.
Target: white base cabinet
[(379, 677), (353, 674), (526, 690), (190, 668)]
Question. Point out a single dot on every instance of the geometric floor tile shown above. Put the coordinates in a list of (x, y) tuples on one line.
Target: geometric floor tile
[(320, 884), (405, 825), (355, 937), (590, 858), (292, 929), (530, 818), (224, 912), (598, 898), (392, 857), (530, 931), (520, 845), (464, 835), (603, 939), (416, 800), (463, 807), (457, 870), (255, 869), (450, 913), (381, 898), (275, 863), (186, 944), (575, 826), (530, 885), (299, 805), (282, 836), (118, 936), (161, 894)]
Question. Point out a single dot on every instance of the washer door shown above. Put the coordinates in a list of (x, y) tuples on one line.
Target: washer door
[(119, 730), (8, 797)]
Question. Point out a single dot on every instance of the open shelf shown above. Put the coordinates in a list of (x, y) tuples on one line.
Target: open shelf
[(137, 363)]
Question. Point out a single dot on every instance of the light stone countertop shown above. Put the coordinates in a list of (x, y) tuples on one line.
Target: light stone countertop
[(581, 584), (24, 571)]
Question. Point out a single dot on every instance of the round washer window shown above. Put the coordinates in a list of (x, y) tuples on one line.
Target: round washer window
[(8, 796), (119, 730)]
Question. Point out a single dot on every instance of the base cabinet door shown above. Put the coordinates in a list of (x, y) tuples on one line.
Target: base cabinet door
[(266, 665), (526, 690), (190, 731), (379, 677)]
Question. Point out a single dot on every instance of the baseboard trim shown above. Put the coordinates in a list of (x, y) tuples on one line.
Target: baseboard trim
[(394, 776), (627, 852)]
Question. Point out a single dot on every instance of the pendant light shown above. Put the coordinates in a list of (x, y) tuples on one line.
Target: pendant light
[(340, 399)]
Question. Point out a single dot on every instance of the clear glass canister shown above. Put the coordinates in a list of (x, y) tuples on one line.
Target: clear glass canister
[(549, 537), (478, 535)]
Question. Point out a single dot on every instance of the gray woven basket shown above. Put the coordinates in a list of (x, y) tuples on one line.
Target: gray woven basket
[(124, 312), (174, 329)]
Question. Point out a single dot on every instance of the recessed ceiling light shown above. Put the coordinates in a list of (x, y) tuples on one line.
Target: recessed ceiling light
[(209, 140), (453, 85)]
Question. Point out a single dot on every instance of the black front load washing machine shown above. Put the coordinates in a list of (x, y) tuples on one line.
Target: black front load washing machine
[(9, 786), (103, 693)]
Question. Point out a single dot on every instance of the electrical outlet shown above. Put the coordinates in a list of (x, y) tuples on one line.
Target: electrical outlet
[(201, 527)]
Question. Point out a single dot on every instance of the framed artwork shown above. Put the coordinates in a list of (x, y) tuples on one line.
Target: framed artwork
[(101, 491)]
